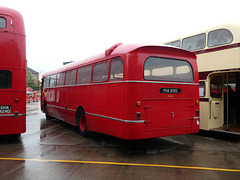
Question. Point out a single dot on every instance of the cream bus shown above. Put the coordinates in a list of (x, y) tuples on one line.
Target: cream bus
[(218, 59)]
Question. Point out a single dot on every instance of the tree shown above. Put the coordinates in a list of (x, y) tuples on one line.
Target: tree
[(31, 82)]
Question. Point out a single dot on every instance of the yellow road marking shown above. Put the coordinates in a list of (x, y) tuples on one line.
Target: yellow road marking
[(122, 164)]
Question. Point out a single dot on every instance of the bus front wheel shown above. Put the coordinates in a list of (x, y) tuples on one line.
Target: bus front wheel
[(46, 111), (82, 124)]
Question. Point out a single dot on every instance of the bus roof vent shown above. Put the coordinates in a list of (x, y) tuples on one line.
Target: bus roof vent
[(111, 49)]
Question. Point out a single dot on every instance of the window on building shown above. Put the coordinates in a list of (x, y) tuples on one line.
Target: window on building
[(84, 74), (194, 43), (100, 72), (219, 37), (116, 70), (5, 79)]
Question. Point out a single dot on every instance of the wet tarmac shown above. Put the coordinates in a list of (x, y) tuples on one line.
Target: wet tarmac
[(52, 149)]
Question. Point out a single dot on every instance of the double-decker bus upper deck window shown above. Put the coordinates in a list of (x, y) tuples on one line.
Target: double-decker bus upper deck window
[(3, 23), (71, 77), (100, 72), (163, 69), (61, 79), (52, 80), (116, 70), (84, 74), (194, 43), (219, 37), (5, 79), (176, 43)]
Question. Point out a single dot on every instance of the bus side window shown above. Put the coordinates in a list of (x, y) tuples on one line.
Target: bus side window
[(84, 74), (194, 43), (71, 77), (176, 43), (216, 87), (57, 79), (100, 72), (52, 80), (219, 37), (116, 70), (61, 80), (201, 88)]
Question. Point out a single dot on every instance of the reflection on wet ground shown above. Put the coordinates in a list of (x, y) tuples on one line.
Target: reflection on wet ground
[(56, 140)]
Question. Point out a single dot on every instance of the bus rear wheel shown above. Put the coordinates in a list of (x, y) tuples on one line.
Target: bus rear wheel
[(82, 124)]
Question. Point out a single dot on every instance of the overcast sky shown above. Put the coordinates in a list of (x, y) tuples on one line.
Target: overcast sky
[(70, 30)]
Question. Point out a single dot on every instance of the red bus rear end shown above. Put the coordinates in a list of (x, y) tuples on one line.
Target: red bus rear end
[(12, 73), (131, 92)]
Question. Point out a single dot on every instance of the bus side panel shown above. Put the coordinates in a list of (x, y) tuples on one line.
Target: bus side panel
[(106, 103)]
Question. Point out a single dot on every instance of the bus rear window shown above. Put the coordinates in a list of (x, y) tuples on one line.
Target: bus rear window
[(3, 23), (5, 79), (163, 69)]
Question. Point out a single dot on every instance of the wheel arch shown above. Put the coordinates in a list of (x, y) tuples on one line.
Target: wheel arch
[(80, 110)]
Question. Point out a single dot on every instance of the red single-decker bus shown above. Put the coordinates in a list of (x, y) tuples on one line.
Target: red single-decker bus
[(12, 73), (130, 91)]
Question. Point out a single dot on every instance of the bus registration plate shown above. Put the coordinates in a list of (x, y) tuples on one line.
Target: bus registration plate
[(5, 109), (170, 90)]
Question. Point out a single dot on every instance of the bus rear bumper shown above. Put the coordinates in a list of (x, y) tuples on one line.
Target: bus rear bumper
[(10, 124)]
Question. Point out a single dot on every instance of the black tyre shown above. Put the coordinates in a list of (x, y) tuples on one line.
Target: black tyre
[(46, 111)]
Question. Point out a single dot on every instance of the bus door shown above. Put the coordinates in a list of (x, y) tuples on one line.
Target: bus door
[(170, 111), (231, 97), (216, 101)]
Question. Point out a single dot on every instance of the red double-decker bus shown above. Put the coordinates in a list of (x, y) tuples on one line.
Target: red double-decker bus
[(130, 91), (12, 73)]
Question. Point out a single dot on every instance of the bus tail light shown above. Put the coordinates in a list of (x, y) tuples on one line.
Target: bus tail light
[(197, 113), (197, 102), (16, 114), (138, 103), (138, 116), (16, 100)]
